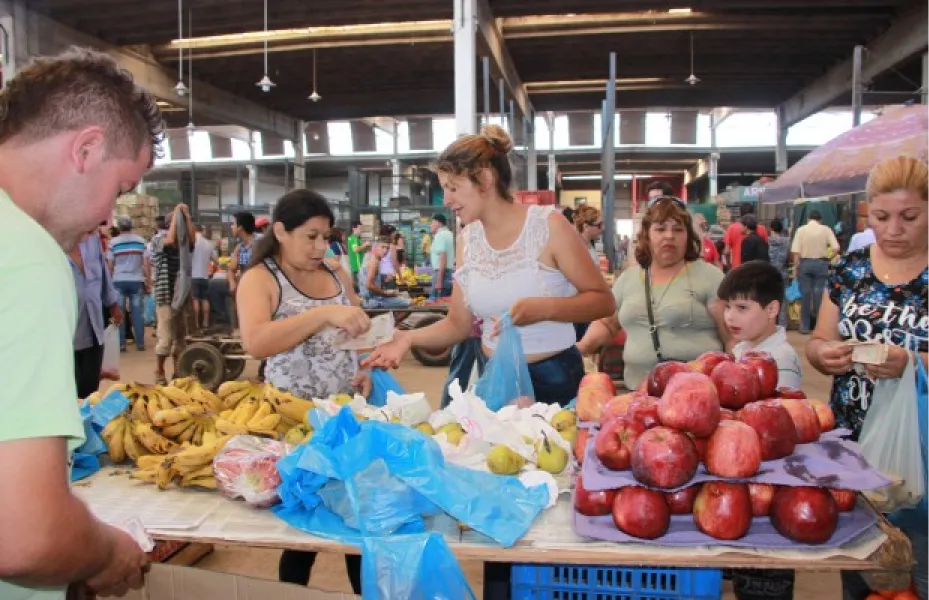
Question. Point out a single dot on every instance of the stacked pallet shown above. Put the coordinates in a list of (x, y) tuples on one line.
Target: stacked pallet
[(142, 209)]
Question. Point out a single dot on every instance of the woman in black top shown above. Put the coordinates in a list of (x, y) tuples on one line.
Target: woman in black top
[(753, 246)]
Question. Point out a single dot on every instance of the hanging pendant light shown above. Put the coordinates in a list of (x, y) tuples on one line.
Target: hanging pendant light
[(180, 89), (315, 97), (692, 79), (266, 84)]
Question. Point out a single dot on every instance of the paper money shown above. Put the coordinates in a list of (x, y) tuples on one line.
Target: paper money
[(381, 332), (869, 353)]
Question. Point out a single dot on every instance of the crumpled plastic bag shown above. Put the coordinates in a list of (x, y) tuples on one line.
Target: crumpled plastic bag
[(890, 441), (383, 383), (84, 465), (419, 566), (506, 376), (501, 508), (246, 468)]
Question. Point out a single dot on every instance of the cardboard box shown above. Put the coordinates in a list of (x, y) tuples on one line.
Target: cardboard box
[(169, 582)]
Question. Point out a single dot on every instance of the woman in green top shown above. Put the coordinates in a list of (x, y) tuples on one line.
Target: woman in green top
[(687, 313)]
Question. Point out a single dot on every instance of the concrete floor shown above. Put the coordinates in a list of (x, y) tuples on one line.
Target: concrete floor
[(329, 571)]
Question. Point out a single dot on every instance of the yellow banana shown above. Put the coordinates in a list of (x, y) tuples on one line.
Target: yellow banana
[(206, 398), (113, 435), (147, 475), (209, 436), (152, 406), (230, 387), (266, 423), (290, 406), (197, 456), (164, 473), (264, 409), (118, 387), (149, 461), (151, 439), (184, 383), (133, 452), (192, 472), (139, 412), (177, 396), (229, 428), (163, 418), (188, 433), (209, 427), (249, 408), (197, 437), (204, 482)]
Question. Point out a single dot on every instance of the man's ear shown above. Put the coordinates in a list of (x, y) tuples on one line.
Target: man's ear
[(88, 147)]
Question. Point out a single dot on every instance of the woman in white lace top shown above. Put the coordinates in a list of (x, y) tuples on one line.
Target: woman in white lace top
[(528, 260)]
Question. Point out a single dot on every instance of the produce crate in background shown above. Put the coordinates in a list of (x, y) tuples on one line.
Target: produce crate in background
[(142, 209), (578, 582), (543, 197)]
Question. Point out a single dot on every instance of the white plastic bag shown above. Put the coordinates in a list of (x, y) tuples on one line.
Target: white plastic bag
[(110, 368), (890, 442)]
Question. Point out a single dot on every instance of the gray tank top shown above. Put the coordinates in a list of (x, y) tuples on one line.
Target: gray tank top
[(314, 368)]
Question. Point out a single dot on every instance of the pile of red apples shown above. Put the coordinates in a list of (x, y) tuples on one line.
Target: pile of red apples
[(727, 414)]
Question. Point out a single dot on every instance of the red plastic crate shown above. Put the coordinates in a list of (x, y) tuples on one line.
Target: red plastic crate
[(543, 197)]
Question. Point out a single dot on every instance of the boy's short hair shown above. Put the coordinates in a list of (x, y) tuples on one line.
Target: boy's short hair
[(755, 280), (750, 221)]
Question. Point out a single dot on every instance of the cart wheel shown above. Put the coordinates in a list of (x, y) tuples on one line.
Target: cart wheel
[(205, 362), (233, 369), (427, 358)]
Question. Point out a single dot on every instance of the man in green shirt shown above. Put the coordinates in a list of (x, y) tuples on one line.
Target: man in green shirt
[(442, 257), (356, 251), (75, 132)]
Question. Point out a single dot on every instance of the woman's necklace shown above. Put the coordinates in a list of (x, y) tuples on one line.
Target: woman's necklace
[(890, 275), (656, 302)]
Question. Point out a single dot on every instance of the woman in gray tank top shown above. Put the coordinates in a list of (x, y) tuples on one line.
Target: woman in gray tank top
[(291, 304)]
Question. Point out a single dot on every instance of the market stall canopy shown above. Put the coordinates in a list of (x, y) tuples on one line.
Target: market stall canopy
[(841, 166)]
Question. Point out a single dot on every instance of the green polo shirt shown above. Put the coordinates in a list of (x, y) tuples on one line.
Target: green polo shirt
[(37, 317), (354, 255)]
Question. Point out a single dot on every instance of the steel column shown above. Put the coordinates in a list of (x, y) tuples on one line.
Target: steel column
[(608, 166), (857, 85), (464, 26), (532, 157), (780, 150)]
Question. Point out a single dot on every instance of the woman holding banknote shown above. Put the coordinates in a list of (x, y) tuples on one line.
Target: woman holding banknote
[(878, 294)]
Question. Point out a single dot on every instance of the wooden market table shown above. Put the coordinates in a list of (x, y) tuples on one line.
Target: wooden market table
[(209, 518)]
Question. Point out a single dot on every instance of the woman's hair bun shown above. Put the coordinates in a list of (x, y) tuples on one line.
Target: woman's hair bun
[(498, 137)]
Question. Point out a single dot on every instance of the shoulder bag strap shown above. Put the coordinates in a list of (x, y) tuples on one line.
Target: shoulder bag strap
[(652, 327)]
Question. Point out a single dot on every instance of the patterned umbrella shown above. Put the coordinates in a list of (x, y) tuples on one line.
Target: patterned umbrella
[(841, 166)]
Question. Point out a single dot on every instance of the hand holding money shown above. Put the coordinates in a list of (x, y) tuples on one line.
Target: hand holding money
[(893, 365)]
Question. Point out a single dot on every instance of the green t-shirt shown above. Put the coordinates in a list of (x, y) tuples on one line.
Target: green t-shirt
[(685, 327), (354, 255), (37, 317), (443, 243)]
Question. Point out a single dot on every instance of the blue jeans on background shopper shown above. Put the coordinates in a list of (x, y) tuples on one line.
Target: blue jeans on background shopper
[(132, 291), (464, 356), (811, 277)]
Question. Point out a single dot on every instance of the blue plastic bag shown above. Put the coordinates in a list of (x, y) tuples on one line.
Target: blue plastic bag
[(149, 309), (84, 465), (792, 293), (111, 406), (417, 566), (506, 376), (382, 382), (93, 443)]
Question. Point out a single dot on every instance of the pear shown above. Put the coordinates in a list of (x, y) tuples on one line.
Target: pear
[(425, 428), (564, 419), (569, 434), (342, 399), (551, 457), (453, 432), (503, 461)]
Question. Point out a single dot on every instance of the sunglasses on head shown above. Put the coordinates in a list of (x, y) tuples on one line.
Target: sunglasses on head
[(674, 199), (595, 223)]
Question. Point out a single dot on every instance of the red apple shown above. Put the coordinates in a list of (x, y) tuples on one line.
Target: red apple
[(641, 512), (733, 450), (774, 427), (615, 441), (617, 407), (690, 403), (592, 504), (824, 414), (804, 514), (661, 374), (761, 495), (790, 393), (580, 444), (736, 384), (700, 445), (805, 420), (765, 368), (681, 502), (844, 499), (599, 380), (645, 411), (706, 362), (727, 415), (664, 458), (723, 510)]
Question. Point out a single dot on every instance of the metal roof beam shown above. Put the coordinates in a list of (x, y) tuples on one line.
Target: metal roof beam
[(906, 37), (502, 64)]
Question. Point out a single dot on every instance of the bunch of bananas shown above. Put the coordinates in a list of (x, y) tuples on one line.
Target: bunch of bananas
[(406, 277), (127, 439), (192, 466), (261, 410)]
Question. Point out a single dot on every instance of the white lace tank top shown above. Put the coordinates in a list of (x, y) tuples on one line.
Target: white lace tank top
[(493, 280), (314, 368)]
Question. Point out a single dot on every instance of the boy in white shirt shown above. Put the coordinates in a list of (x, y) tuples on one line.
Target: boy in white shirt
[(753, 293)]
